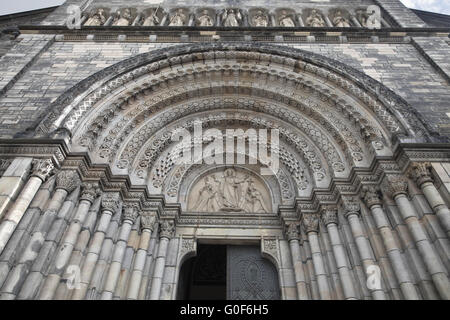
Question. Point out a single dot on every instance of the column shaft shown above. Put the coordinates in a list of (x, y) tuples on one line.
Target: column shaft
[(437, 204), (302, 290), (139, 264), (319, 267), (159, 269)]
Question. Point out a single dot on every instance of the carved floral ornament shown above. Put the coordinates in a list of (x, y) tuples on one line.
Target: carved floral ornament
[(229, 17)]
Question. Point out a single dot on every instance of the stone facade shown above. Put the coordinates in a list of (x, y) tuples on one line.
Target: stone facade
[(95, 205)]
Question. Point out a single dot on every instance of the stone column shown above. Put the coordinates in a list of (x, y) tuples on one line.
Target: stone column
[(130, 214), (42, 169), (66, 182), (397, 187), (151, 252), (110, 203), (420, 172), (330, 220), (21, 235), (12, 182), (373, 201), (311, 224), (89, 192), (352, 214), (147, 223), (167, 231), (294, 238)]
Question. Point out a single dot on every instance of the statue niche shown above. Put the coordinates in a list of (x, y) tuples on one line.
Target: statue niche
[(229, 191)]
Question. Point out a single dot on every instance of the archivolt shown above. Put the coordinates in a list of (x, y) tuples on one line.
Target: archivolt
[(277, 61)]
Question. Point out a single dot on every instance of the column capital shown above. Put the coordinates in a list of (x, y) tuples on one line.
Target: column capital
[(292, 231), (148, 220), (310, 222), (110, 201), (329, 215), (167, 228), (130, 211), (351, 206), (395, 184), (42, 168), (89, 191), (371, 196), (420, 172), (67, 180)]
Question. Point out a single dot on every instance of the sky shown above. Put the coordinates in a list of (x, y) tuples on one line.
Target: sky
[(12, 6)]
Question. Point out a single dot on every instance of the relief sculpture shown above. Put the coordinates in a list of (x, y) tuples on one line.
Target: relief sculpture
[(229, 192)]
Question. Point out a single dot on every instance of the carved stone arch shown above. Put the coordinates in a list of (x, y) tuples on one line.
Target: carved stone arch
[(383, 101), (307, 150)]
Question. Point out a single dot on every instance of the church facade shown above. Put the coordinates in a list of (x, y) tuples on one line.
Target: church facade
[(226, 149)]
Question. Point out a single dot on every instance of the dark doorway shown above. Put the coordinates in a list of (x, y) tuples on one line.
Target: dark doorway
[(220, 272), (204, 277)]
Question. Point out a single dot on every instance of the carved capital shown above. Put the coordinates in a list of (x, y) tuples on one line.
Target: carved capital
[(395, 184), (148, 220), (111, 201), (292, 232), (130, 212), (89, 191), (42, 168), (167, 228), (420, 172), (329, 215), (371, 196), (311, 222), (351, 206), (67, 180)]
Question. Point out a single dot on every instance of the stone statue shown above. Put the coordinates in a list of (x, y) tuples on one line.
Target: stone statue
[(205, 20), (231, 18), (260, 19), (286, 20), (97, 19), (315, 20), (362, 16), (151, 20), (340, 21), (178, 19), (229, 193), (124, 18)]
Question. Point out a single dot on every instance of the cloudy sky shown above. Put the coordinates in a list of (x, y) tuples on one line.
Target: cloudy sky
[(11, 6)]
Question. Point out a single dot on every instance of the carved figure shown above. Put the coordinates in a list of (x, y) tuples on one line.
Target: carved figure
[(97, 19), (205, 20), (340, 21), (286, 20), (231, 18), (124, 18), (315, 19), (151, 20), (178, 19), (260, 19)]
